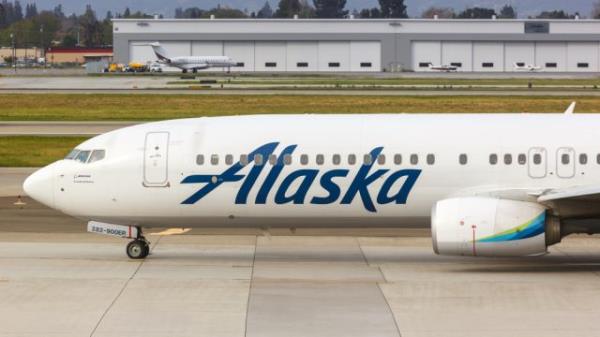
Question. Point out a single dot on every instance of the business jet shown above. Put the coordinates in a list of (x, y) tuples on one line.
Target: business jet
[(526, 67), (487, 184), (191, 63), (443, 68)]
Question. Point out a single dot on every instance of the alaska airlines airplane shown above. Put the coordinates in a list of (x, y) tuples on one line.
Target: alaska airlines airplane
[(488, 184), (191, 63)]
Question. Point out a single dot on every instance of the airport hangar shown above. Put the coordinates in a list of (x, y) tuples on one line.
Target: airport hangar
[(368, 45)]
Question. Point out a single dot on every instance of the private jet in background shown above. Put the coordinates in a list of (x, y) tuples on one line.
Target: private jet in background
[(526, 67), (487, 184), (191, 63), (443, 68)]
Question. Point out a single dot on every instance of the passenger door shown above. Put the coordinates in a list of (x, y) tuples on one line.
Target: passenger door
[(565, 162), (156, 159), (538, 164)]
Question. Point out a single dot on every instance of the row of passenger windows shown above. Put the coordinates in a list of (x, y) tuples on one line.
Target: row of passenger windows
[(397, 159), (336, 159), (305, 64), (491, 64)]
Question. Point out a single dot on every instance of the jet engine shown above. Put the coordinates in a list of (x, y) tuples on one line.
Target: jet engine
[(479, 226)]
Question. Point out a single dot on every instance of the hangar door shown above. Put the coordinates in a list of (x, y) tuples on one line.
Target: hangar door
[(365, 56), (425, 53)]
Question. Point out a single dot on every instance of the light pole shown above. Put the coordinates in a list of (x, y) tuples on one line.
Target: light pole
[(14, 51), (42, 45)]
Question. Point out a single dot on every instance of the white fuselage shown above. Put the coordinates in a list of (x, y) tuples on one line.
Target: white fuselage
[(201, 62), (188, 172)]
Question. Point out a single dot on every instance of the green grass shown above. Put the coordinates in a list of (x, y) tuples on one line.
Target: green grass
[(90, 107), (32, 151)]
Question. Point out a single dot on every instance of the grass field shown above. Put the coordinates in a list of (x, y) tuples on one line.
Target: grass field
[(28, 151), (89, 107)]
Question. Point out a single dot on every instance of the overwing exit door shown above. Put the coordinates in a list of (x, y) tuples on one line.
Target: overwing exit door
[(156, 159), (565, 162), (537, 162)]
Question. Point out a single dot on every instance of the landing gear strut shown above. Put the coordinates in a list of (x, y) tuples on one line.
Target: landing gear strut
[(138, 248)]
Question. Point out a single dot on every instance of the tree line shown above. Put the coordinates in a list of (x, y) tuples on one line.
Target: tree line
[(26, 26)]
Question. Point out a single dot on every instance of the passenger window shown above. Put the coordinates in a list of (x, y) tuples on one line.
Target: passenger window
[(508, 159), (583, 159), (367, 159), (258, 159), (381, 159), (287, 159), (273, 159), (82, 156), (214, 159), (462, 159), (304, 159), (598, 158), (337, 159), (200, 159), (414, 159), (522, 159), (97, 155), (430, 159), (537, 159), (397, 159), (565, 159), (352, 159), (74, 153), (244, 159), (493, 159), (320, 159), (228, 159)]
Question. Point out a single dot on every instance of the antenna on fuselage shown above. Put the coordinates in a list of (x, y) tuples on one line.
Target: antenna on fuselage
[(571, 109)]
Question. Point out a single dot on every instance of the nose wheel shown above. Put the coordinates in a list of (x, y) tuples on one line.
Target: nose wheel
[(138, 248)]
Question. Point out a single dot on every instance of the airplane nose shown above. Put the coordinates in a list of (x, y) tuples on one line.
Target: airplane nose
[(40, 186)]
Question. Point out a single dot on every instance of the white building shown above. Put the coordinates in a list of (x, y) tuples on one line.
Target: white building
[(355, 45)]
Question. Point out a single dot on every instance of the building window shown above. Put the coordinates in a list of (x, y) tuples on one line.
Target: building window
[(462, 159), (271, 64), (520, 64), (522, 159), (200, 159), (414, 159), (334, 64), (430, 159), (551, 65), (493, 159), (508, 159), (487, 65), (424, 64), (214, 159), (302, 64), (397, 159), (365, 65), (583, 65), (583, 159), (240, 64), (456, 64)]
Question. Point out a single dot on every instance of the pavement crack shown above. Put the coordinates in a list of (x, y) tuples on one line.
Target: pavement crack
[(250, 286), (125, 284), (389, 309)]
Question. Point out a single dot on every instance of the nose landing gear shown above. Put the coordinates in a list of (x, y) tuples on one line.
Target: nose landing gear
[(138, 248)]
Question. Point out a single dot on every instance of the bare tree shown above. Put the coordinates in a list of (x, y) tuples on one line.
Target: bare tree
[(441, 12)]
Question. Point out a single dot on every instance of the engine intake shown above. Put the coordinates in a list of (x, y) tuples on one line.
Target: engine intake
[(479, 226)]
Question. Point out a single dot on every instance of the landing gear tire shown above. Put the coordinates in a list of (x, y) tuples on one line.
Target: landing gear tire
[(184, 71), (138, 249), (195, 71)]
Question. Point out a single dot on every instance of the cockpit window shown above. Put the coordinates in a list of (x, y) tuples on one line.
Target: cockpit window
[(72, 154), (97, 155), (82, 156)]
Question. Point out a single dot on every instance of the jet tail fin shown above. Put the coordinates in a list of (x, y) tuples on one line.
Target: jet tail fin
[(160, 52)]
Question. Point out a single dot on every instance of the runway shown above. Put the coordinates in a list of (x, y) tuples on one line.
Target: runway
[(59, 128), (316, 282)]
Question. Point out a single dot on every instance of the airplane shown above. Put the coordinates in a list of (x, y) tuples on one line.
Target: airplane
[(526, 67), (487, 184), (191, 63), (444, 68)]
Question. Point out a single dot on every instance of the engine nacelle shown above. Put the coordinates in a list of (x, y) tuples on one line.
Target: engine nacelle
[(478, 226)]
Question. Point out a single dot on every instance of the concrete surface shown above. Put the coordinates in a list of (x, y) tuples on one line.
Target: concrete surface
[(59, 128), (11, 180)]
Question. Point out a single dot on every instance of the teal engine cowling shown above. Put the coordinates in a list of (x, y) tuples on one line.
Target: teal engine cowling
[(480, 226)]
